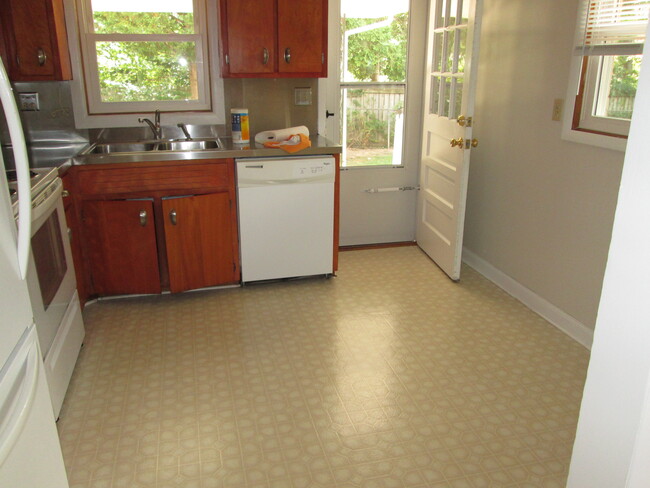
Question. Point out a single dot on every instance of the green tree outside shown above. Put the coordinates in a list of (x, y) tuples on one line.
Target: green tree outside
[(379, 52), (137, 71)]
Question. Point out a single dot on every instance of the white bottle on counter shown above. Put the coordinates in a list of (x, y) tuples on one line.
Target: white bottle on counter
[(240, 126)]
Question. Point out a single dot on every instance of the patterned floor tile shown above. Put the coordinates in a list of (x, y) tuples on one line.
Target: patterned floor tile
[(388, 375)]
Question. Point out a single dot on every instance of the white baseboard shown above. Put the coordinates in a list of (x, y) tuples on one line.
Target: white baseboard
[(560, 319)]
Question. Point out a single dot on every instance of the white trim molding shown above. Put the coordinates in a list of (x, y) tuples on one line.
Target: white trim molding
[(560, 319)]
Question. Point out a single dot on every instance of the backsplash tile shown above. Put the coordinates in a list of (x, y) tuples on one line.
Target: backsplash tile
[(270, 102)]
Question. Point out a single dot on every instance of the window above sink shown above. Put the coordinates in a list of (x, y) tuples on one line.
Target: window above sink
[(133, 57)]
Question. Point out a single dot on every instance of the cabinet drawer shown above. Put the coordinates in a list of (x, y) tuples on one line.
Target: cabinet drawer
[(154, 178)]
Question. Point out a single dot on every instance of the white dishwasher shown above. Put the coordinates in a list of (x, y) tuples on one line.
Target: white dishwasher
[(286, 216)]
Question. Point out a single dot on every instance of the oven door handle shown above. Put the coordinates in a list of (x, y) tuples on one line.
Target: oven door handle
[(42, 208)]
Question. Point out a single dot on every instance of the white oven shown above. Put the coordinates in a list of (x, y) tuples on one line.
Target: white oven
[(52, 284)]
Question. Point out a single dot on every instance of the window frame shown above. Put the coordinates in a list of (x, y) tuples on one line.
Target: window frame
[(596, 39), (592, 87), (126, 113)]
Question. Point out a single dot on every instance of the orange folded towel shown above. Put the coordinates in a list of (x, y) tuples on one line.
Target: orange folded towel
[(291, 145)]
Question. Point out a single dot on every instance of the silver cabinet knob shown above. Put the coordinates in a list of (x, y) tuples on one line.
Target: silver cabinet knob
[(42, 57), (143, 218)]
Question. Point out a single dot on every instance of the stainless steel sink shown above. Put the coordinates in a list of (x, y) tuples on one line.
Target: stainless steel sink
[(185, 145), (122, 147), (146, 146)]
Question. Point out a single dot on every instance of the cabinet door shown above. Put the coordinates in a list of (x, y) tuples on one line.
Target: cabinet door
[(201, 242), (250, 38), (37, 42), (120, 245), (302, 37)]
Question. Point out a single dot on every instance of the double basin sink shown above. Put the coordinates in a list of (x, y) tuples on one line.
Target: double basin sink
[(157, 145)]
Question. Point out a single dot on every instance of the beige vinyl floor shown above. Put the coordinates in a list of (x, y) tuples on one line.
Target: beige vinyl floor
[(388, 375)]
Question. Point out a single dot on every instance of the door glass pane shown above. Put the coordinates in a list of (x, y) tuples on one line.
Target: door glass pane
[(374, 125), (458, 98), (374, 51), (446, 97), (147, 71), (143, 17), (449, 60), (462, 49), (435, 94), (374, 42), (453, 12), (441, 13), (438, 48), (465, 13)]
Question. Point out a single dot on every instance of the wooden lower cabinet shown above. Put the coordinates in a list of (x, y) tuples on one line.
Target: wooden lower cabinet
[(120, 238), (150, 227), (199, 238)]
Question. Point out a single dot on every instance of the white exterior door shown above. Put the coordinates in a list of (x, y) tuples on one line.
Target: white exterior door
[(450, 82), (378, 202)]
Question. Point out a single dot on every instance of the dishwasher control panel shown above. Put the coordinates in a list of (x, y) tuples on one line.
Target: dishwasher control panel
[(255, 171), (313, 168)]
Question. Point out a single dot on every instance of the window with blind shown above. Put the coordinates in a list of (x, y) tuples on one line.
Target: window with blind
[(609, 41)]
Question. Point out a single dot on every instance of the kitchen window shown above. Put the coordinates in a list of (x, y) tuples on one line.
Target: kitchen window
[(609, 47), (142, 55)]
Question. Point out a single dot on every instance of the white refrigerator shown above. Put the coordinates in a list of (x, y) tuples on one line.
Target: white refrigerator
[(30, 453)]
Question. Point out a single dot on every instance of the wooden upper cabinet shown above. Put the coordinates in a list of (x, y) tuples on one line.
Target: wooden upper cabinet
[(35, 39), (250, 36), (302, 36), (273, 38)]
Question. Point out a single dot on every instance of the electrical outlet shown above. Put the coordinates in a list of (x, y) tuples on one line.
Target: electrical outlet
[(28, 102), (302, 96), (558, 106)]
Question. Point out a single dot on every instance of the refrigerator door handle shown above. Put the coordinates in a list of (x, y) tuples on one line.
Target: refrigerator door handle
[(22, 171), (18, 390)]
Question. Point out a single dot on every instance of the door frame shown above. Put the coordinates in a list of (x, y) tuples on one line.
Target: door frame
[(371, 218)]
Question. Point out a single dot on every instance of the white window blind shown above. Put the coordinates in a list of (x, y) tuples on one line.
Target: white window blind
[(612, 27)]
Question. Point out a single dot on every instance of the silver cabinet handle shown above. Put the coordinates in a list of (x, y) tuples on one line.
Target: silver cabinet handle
[(265, 56), (287, 55), (172, 216), (42, 57), (65, 194), (143, 218)]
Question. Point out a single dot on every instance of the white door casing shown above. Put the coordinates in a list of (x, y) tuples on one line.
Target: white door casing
[(449, 94)]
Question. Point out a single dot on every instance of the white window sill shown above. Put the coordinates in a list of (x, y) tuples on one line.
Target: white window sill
[(598, 140)]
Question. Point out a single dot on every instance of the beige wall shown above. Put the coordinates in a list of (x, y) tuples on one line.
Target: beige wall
[(540, 209)]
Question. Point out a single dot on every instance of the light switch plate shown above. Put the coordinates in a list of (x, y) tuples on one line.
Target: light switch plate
[(28, 102), (302, 96)]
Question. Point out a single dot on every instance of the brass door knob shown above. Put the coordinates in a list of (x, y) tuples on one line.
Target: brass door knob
[(474, 142), (457, 142), (464, 121)]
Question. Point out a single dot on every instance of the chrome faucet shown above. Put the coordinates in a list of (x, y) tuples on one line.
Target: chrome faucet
[(188, 137), (154, 126)]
